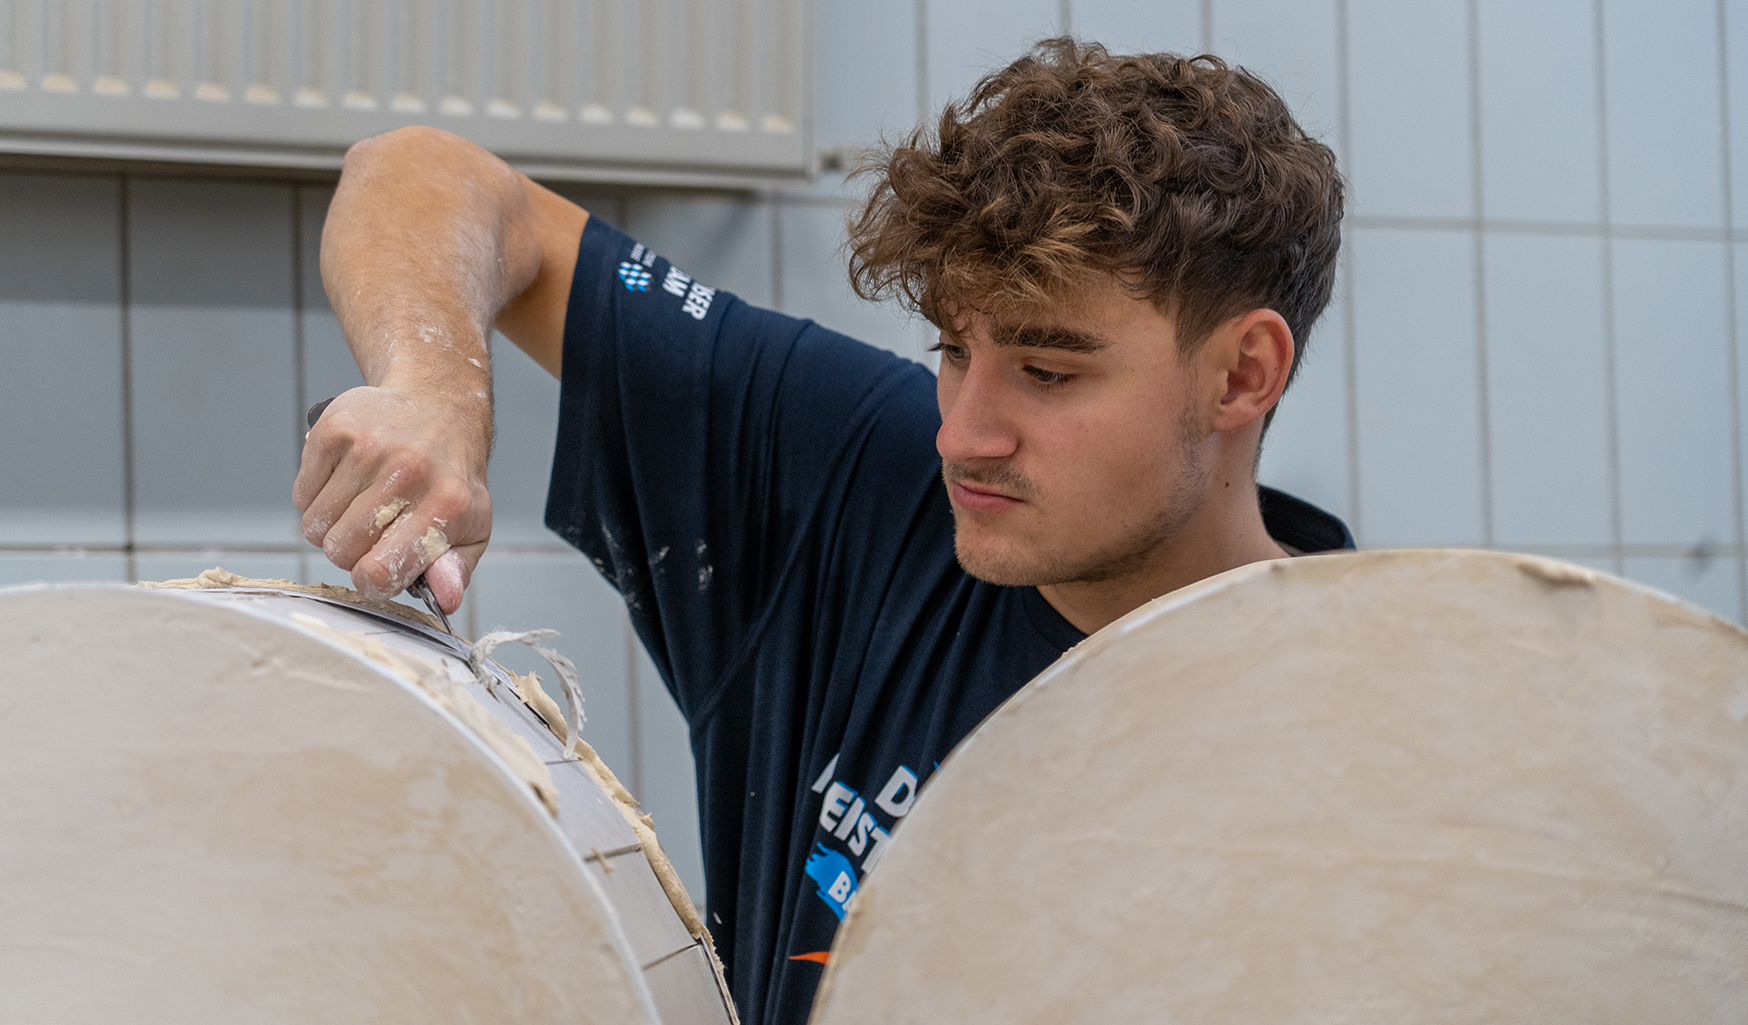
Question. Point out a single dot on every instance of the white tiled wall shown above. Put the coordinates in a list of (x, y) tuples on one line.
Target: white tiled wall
[(1533, 346)]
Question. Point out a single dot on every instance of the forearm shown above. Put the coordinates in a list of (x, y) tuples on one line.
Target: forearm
[(429, 242), (426, 240)]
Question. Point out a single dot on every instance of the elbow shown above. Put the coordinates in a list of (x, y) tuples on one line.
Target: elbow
[(414, 146)]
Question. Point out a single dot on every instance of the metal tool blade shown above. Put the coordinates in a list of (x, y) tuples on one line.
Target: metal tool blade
[(422, 591)]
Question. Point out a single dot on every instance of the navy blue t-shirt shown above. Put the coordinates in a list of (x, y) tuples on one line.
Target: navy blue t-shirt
[(766, 495)]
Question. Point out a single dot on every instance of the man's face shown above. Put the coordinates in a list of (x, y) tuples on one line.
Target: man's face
[(1070, 444)]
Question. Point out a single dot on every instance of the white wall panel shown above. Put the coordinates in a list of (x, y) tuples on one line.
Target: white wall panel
[(1664, 125), (816, 285), (215, 426), (327, 364), (61, 435), (968, 38), (1539, 113), (866, 72), (525, 403), (1735, 13), (19, 568), (867, 83), (1676, 473), (1173, 26), (1417, 375), (1409, 80), (1293, 47), (1548, 388)]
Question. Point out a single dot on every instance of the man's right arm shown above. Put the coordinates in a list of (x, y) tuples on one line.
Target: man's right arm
[(430, 241)]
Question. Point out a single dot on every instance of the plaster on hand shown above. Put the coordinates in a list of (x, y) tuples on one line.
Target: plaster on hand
[(433, 545), (387, 512)]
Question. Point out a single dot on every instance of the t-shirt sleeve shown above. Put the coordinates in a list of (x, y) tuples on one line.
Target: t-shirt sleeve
[(696, 436)]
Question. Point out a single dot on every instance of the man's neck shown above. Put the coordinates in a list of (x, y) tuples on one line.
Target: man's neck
[(1227, 532)]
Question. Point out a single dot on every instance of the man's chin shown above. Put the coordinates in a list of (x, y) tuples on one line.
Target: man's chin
[(1003, 568)]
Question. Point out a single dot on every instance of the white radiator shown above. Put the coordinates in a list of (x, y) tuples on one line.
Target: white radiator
[(672, 91)]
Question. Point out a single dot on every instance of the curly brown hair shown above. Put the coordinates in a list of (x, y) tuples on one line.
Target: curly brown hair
[(1185, 178)]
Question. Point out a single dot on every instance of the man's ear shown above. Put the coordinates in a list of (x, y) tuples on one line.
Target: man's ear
[(1252, 355)]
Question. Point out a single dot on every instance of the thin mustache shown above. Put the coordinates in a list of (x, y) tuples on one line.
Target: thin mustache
[(1002, 478)]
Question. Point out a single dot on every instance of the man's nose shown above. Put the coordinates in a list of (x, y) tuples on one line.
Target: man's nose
[(976, 420)]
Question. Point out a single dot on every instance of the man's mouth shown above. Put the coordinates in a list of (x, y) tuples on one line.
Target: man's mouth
[(979, 498)]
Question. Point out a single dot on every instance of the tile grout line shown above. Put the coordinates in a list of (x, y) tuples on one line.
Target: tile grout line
[(1065, 17), (1345, 268), (1206, 33), (1732, 362), (1507, 226), (1611, 389), (922, 61), (633, 713), (777, 254), (299, 349), (1478, 199), (129, 490)]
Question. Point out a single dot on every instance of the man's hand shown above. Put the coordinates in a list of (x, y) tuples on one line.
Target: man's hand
[(430, 242), (394, 483)]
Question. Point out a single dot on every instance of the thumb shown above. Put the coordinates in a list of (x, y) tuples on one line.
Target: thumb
[(451, 573)]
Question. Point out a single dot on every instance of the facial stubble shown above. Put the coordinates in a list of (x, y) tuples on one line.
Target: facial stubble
[(1130, 553)]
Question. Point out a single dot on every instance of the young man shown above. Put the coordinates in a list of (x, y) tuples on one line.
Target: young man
[(839, 562)]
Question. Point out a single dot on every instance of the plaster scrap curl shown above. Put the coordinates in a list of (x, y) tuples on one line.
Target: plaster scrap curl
[(528, 689), (218, 577), (429, 677), (644, 827), (569, 732)]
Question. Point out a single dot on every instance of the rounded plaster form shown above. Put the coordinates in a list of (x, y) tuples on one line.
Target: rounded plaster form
[(210, 815), (1393, 787)]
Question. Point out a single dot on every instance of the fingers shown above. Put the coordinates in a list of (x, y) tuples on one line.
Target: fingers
[(444, 519)]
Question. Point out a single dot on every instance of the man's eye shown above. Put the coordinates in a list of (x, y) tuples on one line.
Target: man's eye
[(950, 353), (1048, 377)]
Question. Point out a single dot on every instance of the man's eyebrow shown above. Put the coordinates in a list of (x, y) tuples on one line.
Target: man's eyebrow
[(1060, 338)]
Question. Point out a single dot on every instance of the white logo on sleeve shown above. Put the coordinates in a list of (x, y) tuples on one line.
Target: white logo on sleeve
[(698, 301), (697, 297)]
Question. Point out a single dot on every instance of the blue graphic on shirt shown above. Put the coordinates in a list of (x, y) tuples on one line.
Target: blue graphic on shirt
[(636, 278), (836, 878)]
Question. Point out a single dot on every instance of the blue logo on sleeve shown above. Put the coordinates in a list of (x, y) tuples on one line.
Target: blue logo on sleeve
[(636, 278), (836, 878)]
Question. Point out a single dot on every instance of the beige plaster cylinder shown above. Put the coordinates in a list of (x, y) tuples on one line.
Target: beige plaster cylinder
[(1393, 787), (248, 804)]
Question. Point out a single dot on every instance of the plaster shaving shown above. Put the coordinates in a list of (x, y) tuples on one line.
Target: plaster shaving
[(569, 733), (388, 511), (572, 730), (218, 577), (433, 544)]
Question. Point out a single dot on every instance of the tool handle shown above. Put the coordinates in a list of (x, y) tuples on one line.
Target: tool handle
[(315, 412)]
